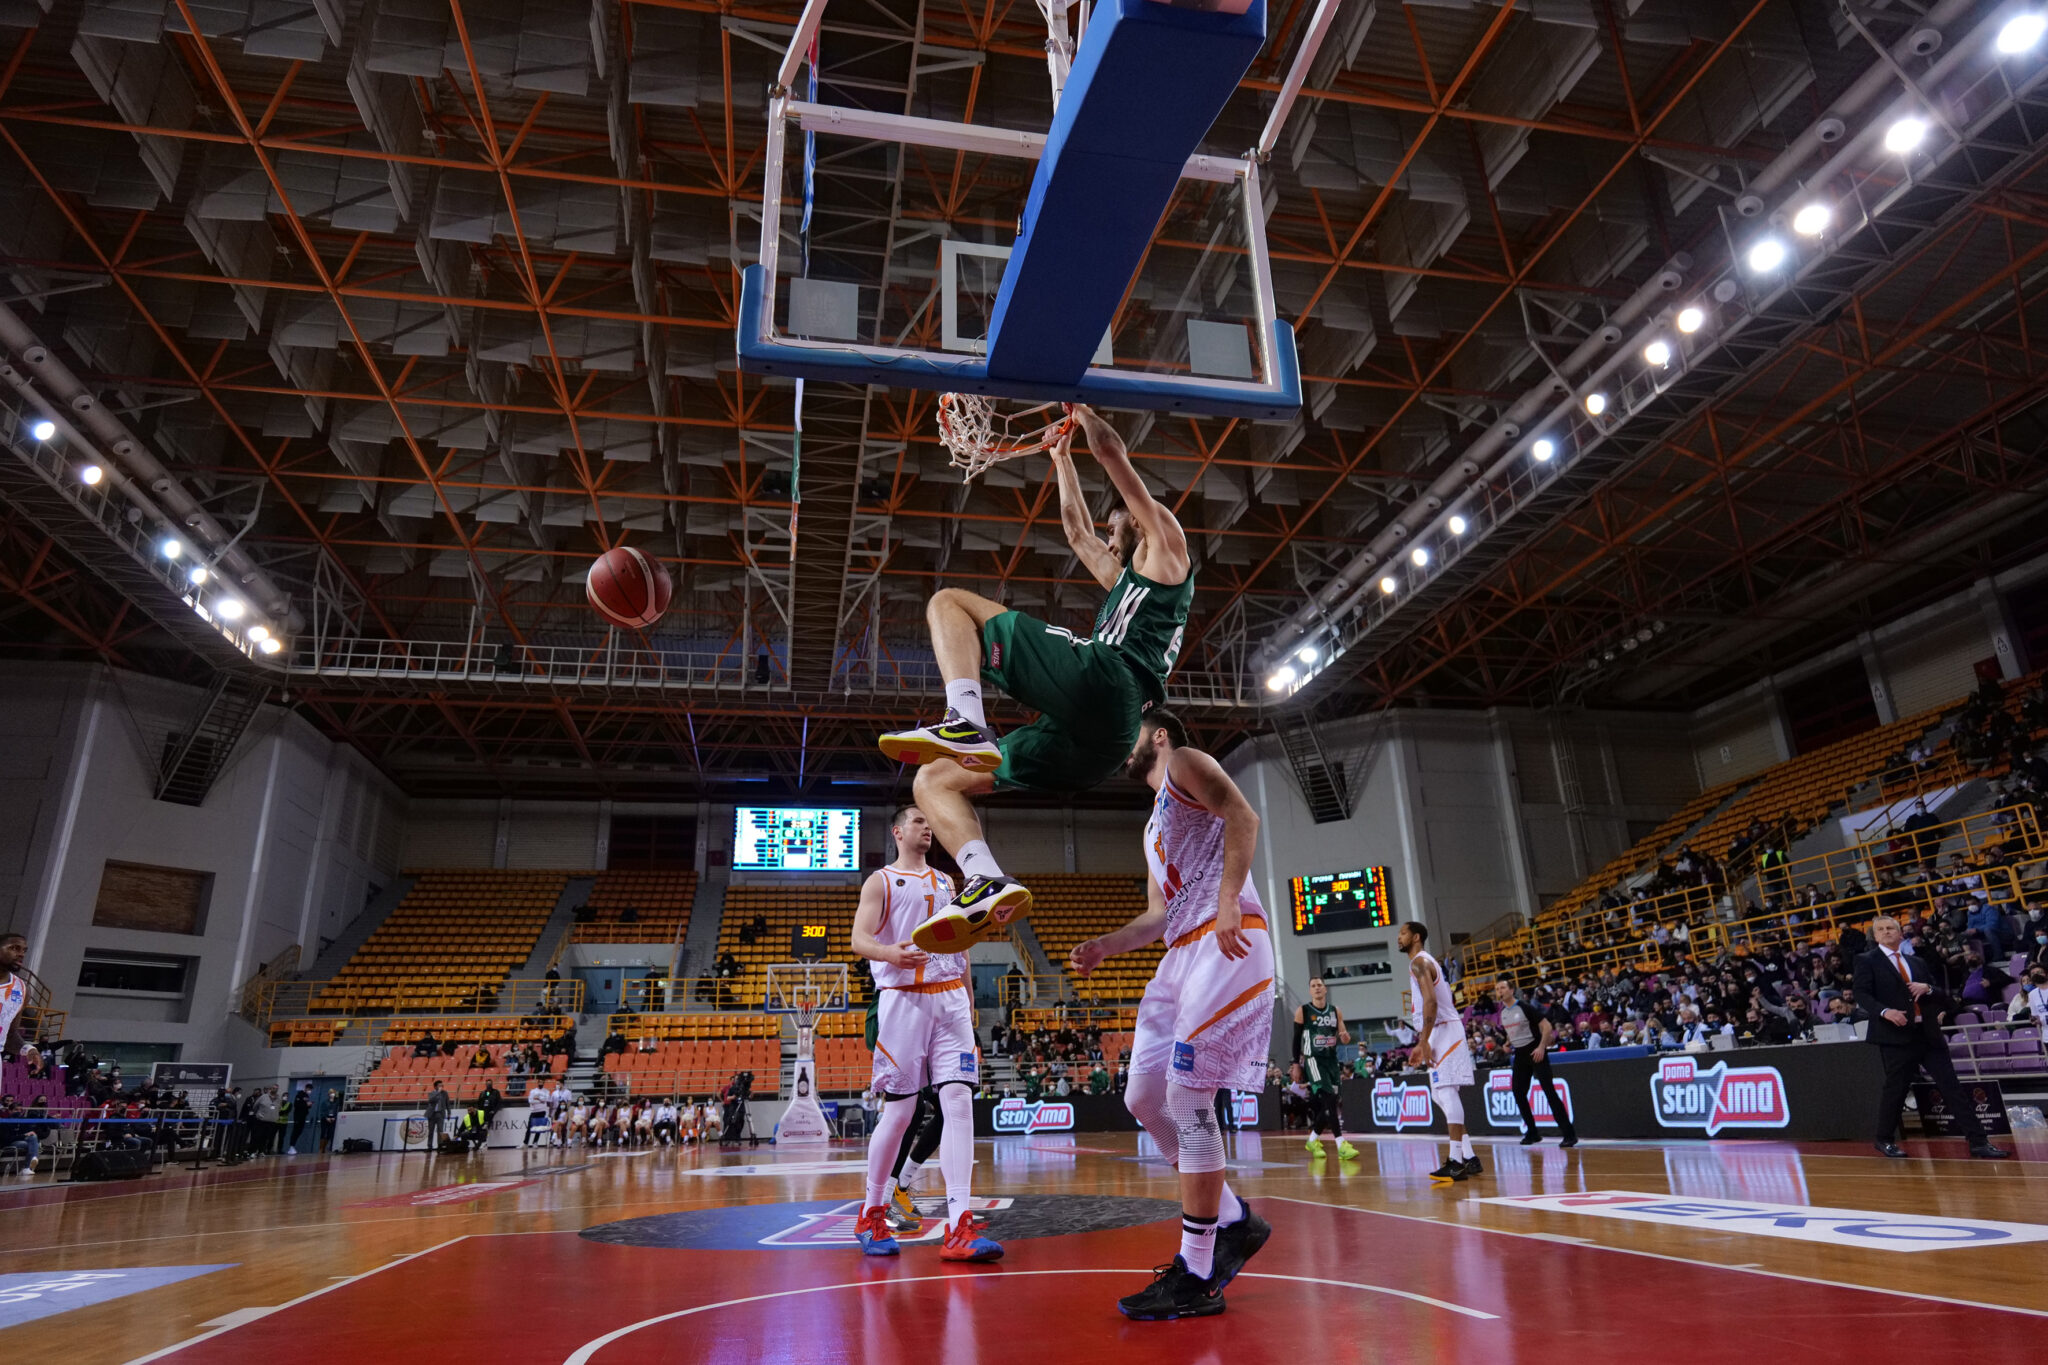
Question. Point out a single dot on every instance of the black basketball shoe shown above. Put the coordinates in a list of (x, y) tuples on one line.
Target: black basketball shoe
[(1452, 1169), (1238, 1243), (1472, 1167), (955, 737), (1176, 1293)]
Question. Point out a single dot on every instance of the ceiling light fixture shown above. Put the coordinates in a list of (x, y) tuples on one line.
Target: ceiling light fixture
[(1905, 135), (1658, 354), (43, 429), (1767, 255), (91, 474), (1419, 557), (1596, 403), (258, 633), (229, 608), (2021, 33), (1457, 526), (272, 645), (1387, 585), (197, 576), (1690, 320), (171, 547), (1307, 654), (1812, 220), (1543, 450)]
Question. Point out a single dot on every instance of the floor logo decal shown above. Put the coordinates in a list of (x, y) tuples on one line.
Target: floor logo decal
[(1834, 1227), (828, 1223), (40, 1294)]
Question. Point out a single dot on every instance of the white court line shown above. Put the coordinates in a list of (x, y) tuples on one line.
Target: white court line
[(583, 1353), (293, 1303), (1660, 1256)]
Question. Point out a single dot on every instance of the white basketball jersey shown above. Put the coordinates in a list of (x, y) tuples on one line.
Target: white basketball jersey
[(13, 996), (1446, 1008), (1184, 852), (913, 898)]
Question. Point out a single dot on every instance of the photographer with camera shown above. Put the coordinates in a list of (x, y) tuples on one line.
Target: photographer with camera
[(733, 1100)]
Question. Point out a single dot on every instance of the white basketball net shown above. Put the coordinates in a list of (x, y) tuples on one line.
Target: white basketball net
[(977, 435)]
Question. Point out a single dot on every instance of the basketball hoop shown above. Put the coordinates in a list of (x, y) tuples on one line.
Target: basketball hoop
[(978, 436)]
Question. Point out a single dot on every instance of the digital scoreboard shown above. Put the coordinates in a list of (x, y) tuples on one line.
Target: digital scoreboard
[(1333, 901), (796, 839)]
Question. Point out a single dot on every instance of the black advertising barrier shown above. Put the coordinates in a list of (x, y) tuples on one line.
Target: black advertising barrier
[(1984, 1096), (1095, 1114), (1813, 1092)]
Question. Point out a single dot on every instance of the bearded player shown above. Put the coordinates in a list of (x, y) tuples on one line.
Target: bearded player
[(1440, 1048), (1206, 1020), (1318, 1029), (924, 1035), (1090, 693)]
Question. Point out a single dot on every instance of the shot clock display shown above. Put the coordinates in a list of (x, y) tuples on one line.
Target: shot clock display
[(1332, 901), (807, 942)]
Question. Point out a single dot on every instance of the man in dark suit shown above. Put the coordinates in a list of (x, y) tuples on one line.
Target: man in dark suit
[(1904, 1011)]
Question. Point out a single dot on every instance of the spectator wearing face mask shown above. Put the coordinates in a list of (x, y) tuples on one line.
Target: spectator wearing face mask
[(2037, 950)]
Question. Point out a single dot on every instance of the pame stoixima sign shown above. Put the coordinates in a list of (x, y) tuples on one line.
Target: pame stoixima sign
[(1027, 1116), (1398, 1105), (1684, 1094), (1501, 1111)]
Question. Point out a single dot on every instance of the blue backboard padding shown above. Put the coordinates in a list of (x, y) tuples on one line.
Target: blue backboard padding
[(969, 374), (1146, 86)]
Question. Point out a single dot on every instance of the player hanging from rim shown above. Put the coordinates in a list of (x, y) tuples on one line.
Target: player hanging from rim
[(1440, 1048), (1206, 1019), (1090, 693), (1318, 1028), (924, 1035)]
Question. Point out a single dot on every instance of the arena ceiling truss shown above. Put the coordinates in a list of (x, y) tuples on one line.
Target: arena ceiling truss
[(406, 309)]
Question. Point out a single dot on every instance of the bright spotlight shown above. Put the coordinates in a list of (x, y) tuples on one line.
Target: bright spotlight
[(1658, 354), (2021, 33), (1307, 654), (1543, 450), (43, 430), (1690, 320), (91, 474), (1596, 403), (1280, 679), (1767, 255), (229, 609), (1387, 585), (1457, 525), (1419, 557), (197, 576), (272, 645), (171, 547), (258, 633), (1905, 135), (1812, 220)]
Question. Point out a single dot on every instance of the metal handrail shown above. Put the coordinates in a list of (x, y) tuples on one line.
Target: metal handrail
[(1907, 780), (373, 1030), (259, 991)]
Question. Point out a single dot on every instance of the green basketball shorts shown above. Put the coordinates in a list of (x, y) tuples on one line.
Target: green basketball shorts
[(1089, 701)]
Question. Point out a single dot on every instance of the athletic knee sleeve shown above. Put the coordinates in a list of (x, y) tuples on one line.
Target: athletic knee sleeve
[(1452, 1103), (884, 1143), (1192, 1112), (1145, 1097), (933, 1114)]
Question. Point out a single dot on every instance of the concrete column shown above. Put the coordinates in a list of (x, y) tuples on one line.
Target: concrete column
[(501, 847), (604, 835), (1067, 827), (703, 835), (1880, 681), (45, 911), (2005, 637), (1511, 817), (1781, 733)]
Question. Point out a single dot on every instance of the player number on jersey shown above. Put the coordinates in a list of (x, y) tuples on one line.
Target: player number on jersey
[(1118, 623)]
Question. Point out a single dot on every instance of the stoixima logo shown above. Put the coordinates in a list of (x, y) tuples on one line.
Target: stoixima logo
[(1399, 1106), (1023, 1116), (1720, 1096)]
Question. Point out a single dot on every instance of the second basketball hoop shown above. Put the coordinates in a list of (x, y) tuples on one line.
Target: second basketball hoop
[(978, 434)]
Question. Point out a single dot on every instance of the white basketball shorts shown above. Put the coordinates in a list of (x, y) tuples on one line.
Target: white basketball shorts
[(925, 1037), (1450, 1059), (1206, 1021)]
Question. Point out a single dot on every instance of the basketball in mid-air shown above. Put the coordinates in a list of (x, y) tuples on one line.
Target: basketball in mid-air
[(628, 588)]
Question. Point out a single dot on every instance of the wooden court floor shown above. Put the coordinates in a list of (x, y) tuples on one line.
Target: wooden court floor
[(1686, 1252)]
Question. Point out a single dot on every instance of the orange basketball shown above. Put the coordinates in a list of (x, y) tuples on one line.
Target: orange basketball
[(628, 588)]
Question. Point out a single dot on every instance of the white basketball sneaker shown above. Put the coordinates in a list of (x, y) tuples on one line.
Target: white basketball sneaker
[(985, 905)]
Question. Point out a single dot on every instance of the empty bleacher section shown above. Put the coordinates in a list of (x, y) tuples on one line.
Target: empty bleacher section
[(696, 1054), (402, 1078), (758, 923), (450, 944), (1069, 908), (637, 907)]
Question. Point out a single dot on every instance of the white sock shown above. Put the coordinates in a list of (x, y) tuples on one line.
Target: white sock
[(1231, 1209), (976, 861), (1198, 1244), (908, 1180), (964, 696), (956, 1150)]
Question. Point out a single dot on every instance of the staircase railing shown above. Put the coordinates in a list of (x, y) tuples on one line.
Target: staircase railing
[(259, 992)]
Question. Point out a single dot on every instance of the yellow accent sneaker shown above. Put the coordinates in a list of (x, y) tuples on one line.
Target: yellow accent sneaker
[(1315, 1147), (1345, 1151)]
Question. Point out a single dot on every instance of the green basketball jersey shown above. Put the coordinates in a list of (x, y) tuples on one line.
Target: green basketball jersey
[(1144, 622), (1319, 1044)]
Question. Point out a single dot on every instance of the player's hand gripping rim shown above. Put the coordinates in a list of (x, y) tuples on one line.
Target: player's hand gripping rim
[(1230, 930)]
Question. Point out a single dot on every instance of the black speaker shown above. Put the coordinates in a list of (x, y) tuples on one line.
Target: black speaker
[(353, 1146), (121, 1163)]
